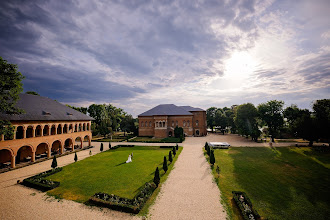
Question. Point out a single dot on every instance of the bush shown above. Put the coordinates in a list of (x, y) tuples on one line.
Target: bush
[(245, 206), (75, 157), (174, 151), (157, 177), (170, 156), (123, 204), (212, 158), (54, 162), (205, 146), (101, 148), (177, 147), (165, 168), (109, 145), (208, 150), (39, 182)]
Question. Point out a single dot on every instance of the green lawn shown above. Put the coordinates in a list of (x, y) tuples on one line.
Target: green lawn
[(285, 183), (107, 172)]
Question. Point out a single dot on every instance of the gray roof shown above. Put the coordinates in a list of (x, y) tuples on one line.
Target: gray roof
[(191, 109), (38, 108), (170, 109)]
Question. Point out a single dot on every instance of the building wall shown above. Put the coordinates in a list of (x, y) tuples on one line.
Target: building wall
[(163, 126), (40, 143)]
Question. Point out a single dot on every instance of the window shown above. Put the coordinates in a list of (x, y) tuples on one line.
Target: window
[(160, 124), (176, 123), (142, 124), (184, 123), (149, 123), (188, 123), (164, 124), (146, 124), (156, 123), (172, 123), (196, 122)]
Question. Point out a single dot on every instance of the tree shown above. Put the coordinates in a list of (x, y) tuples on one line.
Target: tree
[(322, 115), (220, 119), (157, 177), (170, 156), (10, 88), (165, 164), (272, 114), (109, 145), (174, 151), (75, 157), (212, 158), (80, 109), (127, 124), (101, 148), (292, 114), (54, 162), (246, 120), (32, 93), (178, 132), (210, 117), (306, 128)]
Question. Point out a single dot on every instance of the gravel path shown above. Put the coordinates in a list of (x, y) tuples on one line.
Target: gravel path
[(189, 192)]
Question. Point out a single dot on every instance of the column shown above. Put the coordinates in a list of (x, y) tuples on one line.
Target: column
[(13, 161), (62, 149), (62, 127), (15, 132), (33, 132), (2, 137), (56, 129), (42, 130), (49, 152), (33, 158), (24, 132), (49, 130)]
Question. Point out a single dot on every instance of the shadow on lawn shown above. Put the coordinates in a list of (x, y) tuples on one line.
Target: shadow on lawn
[(282, 183), (120, 164)]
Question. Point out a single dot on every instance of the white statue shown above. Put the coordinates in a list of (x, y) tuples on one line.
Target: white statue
[(129, 159)]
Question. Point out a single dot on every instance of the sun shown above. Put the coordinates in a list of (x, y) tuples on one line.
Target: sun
[(240, 65)]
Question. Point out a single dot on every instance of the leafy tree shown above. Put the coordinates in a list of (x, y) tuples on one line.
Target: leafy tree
[(174, 151), (157, 177), (101, 148), (127, 124), (272, 114), (212, 158), (220, 119), (306, 128), (322, 115), (80, 109), (54, 162), (10, 88), (165, 168), (292, 114), (210, 117), (32, 93), (178, 132), (170, 156), (75, 157), (246, 120)]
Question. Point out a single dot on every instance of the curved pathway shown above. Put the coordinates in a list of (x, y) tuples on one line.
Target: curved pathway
[(189, 192)]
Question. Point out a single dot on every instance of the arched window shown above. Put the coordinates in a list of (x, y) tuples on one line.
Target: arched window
[(142, 124), (196, 122), (164, 124), (184, 123), (188, 123), (172, 123), (150, 124), (160, 124), (156, 123), (176, 123), (146, 123)]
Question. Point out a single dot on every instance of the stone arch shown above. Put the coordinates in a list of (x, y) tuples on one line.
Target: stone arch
[(197, 132), (65, 129), (57, 147), (86, 141), (170, 133), (29, 131), (42, 150), (53, 130), (46, 130), (59, 129), (24, 153), (78, 142), (20, 132), (38, 131), (68, 144), (5, 157)]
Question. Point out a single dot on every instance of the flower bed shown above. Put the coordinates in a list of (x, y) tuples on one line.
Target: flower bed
[(123, 204), (245, 206), (39, 182)]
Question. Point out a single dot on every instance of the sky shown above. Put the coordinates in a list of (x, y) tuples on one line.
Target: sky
[(139, 54)]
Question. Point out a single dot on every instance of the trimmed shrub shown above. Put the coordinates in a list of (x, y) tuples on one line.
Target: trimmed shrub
[(109, 145), (177, 147), (205, 146), (174, 151), (75, 157), (39, 182), (170, 156), (123, 204), (157, 177), (54, 162), (165, 168), (245, 206), (212, 158), (101, 148), (208, 150)]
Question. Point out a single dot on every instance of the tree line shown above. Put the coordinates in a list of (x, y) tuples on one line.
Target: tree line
[(109, 119), (273, 120)]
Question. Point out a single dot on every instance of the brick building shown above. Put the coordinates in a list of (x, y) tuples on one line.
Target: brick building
[(46, 127), (161, 120)]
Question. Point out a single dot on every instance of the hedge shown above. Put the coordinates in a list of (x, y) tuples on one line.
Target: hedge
[(39, 182), (245, 206), (123, 204)]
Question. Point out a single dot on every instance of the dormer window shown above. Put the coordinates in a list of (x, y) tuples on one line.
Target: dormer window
[(68, 113), (45, 113)]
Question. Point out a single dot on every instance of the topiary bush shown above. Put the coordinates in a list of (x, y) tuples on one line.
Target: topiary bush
[(54, 162), (165, 168), (212, 158), (75, 157), (170, 156), (174, 151), (101, 148), (177, 147), (109, 145), (157, 177)]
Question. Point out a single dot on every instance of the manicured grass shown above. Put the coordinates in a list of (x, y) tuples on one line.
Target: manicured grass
[(282, 183), (156, 140), (107, 172)]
